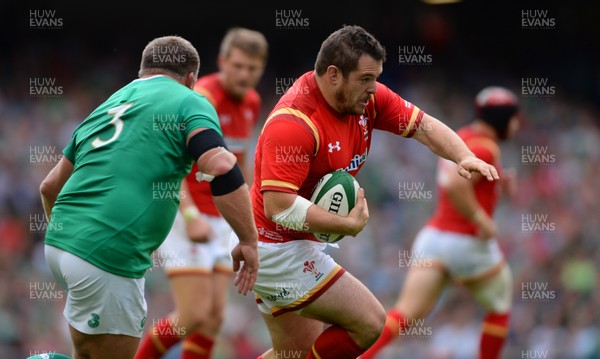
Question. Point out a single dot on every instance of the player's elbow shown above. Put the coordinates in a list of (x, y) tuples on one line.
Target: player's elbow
[(222, 167), (277, 202), (216, 162), (48, 189)]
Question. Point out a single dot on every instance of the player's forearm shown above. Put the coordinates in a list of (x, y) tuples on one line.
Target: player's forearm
[(319, 220), (48, 203), (237, 211), (442, 140), (315, 219)]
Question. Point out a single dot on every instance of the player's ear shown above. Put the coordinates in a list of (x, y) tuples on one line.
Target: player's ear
[(333, 74), (220, 61), (190, 80)]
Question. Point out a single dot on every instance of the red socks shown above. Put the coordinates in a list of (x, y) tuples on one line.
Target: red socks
[(393, 324), (163, 336), (197, 346), (158, 340), (493, 335), (335, 343)]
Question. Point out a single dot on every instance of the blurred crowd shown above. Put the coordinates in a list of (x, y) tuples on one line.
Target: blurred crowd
[(548, 230)]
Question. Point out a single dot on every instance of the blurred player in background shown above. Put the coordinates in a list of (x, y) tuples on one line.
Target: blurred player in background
[(324, 123), (200, 273), (459, 242), (106, 205)]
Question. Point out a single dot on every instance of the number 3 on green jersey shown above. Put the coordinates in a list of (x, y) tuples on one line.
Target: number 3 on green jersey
[(116, 121)]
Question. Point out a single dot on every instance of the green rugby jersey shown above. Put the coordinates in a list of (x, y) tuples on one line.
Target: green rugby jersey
[(129, 158)]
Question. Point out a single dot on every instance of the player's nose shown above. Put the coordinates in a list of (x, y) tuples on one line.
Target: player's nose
[(371, 89)]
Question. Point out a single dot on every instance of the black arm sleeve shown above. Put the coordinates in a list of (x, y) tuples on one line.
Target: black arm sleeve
[(228, 182), (207, 140), (204, 141)]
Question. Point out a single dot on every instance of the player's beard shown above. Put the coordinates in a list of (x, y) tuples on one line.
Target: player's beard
[(345, 105)]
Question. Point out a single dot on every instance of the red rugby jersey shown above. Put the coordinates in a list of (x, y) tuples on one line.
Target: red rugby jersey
[(304, 138), (237, 118), (446, 217)]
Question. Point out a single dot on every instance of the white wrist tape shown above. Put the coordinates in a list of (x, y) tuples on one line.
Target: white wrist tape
[(203, 177), (295, 216), (190, 212)]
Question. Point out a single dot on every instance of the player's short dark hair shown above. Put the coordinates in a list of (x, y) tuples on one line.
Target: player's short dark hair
[(251, 42), (171, 54), (343, 48)]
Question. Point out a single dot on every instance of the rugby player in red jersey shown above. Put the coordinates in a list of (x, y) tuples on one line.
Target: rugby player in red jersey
[(458, 243), (324, 123), (200, 273)]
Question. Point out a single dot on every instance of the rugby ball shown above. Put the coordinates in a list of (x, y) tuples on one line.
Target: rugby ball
[(49, 356), (336, 192)]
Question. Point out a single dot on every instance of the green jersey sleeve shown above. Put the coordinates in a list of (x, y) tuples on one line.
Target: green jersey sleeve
[(69, 150), (199, 113)]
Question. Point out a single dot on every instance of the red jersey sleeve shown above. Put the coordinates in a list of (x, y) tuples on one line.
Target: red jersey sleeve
[(394, 114), (287, 151)]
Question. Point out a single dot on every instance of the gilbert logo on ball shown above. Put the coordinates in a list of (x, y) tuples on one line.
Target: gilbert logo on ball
[(336, 192)]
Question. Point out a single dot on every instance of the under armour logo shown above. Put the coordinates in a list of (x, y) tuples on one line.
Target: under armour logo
[(334, 147)]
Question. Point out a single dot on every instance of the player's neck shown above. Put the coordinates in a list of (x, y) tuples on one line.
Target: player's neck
[(327, 95), (485, 129)]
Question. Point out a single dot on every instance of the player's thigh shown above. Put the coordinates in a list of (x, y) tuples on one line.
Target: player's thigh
[(494, 293), (98, 302), (349, 304), (221, 286), (291, 333), (103, 346), (220, 245), (422, 287), (192, 294)]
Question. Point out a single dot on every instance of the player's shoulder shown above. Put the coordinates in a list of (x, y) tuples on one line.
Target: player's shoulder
[(208, 81), (252, 97), (478, 142), (210, 87), (303, 97), (384, 94), (200, 100)]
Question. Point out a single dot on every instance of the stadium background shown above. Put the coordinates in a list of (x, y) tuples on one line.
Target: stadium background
[(549, 231)]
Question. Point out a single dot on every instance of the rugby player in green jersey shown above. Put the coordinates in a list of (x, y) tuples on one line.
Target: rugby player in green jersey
[(112, 198)]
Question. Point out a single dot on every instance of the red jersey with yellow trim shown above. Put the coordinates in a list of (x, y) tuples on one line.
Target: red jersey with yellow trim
[(304, 138), (446, 217), (237, 118)]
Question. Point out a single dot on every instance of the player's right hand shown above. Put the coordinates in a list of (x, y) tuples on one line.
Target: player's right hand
[(359, 215), (198, 230), (246, 275)]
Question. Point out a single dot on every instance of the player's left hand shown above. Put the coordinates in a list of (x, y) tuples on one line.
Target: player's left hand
[(246, 275), (474, 164)]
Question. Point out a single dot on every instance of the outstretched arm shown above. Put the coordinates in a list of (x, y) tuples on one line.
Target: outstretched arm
[(444, 142)]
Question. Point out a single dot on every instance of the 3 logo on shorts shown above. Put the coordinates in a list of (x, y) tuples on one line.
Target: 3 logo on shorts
[(95, 321), (143, 322), (310, 267)]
